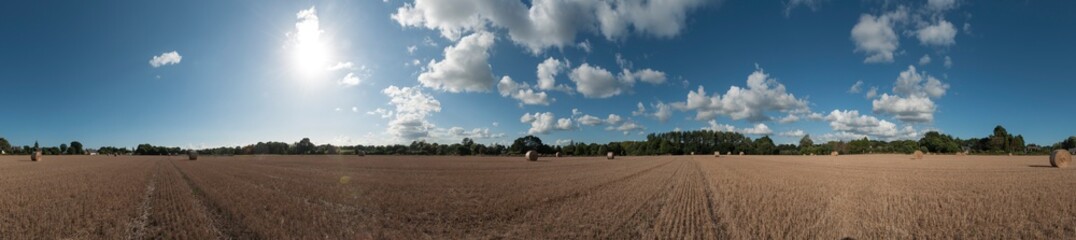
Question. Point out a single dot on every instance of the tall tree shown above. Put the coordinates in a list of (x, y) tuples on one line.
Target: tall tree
[(5, 146), (76, 148), (806, 142), (63, 148)]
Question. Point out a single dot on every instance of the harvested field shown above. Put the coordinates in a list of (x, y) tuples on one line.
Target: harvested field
[(410, 197)]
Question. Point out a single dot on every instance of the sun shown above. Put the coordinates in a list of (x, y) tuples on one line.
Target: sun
[(310, 52)]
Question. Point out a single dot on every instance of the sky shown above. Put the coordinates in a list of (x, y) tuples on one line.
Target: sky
[(200, 74)]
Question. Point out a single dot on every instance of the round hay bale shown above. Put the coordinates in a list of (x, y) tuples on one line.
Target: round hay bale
[(610, 155), (692, 153), (834, 153), (918, 154), (717, 154), (728, 153), (741, 153), (532, 155), (812, 154), (1060, 158), (36, 156), (557, 155), (192, 155)]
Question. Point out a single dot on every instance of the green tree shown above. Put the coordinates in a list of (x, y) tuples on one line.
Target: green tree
[(806, 143), (527, 143), (63, 148), (765, 145), (940, 143), (5, 145), (76, 148), (305, 146)]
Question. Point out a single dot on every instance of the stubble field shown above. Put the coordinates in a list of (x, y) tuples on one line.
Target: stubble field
[(409, 197)]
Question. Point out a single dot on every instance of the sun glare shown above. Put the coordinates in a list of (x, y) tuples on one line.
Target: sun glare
[(310, 54)]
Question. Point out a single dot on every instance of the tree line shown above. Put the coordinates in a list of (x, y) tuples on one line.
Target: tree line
[(667, 143)]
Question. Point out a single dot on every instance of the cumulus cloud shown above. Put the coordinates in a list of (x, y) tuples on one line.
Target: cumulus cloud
[(465, 67), (168, 58), (626, 127), (857, 87), (596, 82), (662, 111), (912, 98), (791, 118), (412, 108), (793, 133), (646, 75), (455, 133), (941, 5), (522, 92), (940, 34), (613, 119), (549, 23), (383, 113), (542, 123), (547, 75), (924, 60), (873, 92), (758, 129), (589, 120), (763, 94), (874, 35), (850, 123)]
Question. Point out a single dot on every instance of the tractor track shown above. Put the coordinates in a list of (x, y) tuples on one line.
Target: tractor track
[(223, 222)]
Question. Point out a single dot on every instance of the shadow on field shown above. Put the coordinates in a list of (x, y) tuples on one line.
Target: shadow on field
[(1040, 166)]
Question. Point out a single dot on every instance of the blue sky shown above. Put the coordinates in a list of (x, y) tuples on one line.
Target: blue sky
[(225, 73)]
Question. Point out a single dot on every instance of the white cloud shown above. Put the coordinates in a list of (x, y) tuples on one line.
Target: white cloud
[(857, 87), (911, 83), (465, 67), (547, 72), (815, 116), (873, 92), (550, 23), (411, 49), (585, 45), (758, 129), (948, 62), (793, 133), (941, 5), (342, 66), (874, 35), (596, 82), (563, 142), (627, 127), (791, 118), (542, 123), (522, 92), (168, 58), (383, 113), (940, 34), (850, 123), (350, 80), (456, 133), (908, 109), (412, 108), (613, 119), (763, 94), (912, 99), (589, 120), (924, 60), (662, 111), (646, 75)]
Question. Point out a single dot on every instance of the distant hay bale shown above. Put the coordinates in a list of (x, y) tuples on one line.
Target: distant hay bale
[(36, 156), (834, 153), (557, 155), (1060, 158), (741, 153), (728, 153), (692, 153), (918, 154), (532, 155), (192, 155), (812, 154), (1010, 154), (610, 155), (717, 154)]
